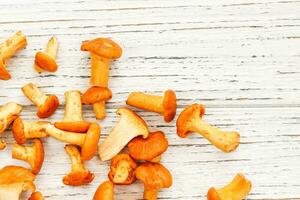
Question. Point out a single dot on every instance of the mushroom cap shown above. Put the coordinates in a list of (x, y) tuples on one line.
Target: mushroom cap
[(45, 61), (154, 176), (148, 149), (103, 47), (36, 196), (15, 174), (4, 74), (37, 159), (190, 113), (212, 194), (95, 94), (78, 178), (49, 107), (169, 105), (113, 164), (105, 191), (79, 126), (90, 145), (18, 131)]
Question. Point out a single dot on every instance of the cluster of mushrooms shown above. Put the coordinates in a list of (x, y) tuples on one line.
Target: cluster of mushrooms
[(145, 148)]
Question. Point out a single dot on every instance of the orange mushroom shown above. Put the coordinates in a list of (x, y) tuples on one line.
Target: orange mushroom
[(36, 196), (122, 168), (33, 155), (154, 176), (8, 49), (102, 51), (46, 104), (237, 189), (129, 126), (95, 94), (23, 130), (105, 191), (165, 105), (78, 175), (87, 141), (13, 181), (73, 119), (8, 113), (47, 60), (190, 120), (148, 149)]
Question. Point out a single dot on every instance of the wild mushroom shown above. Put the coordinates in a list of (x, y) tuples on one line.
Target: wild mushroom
[(73, 119), (129, 126), (102, 51), (23, 130), (8, 113), (13, 181), (8, 49), (122, 168), (154, 176), (78, 175), (87, 141), (237, 189), (150, 148), (33, 155), (46, 104), (190, 120), (95, 94), (36, 196), (47, 60), (105, 191), (165, 105)]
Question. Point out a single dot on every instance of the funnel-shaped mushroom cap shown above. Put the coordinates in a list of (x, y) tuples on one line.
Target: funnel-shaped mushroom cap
[(103, 47), (186, 117), (49, 107), (90, 145), (36, 196), (45, 61), (95, 94), (105, 191), (4, 75), (170, 105)]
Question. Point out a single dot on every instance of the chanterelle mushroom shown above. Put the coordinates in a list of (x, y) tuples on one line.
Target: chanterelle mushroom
[(129, 126), (78, 175), (154, 176), (33, 155), (165, 105), (150, 148), (102, 51), (73, 119), (46, 60), (13, 181), (8, 49), (190, 120), (36, 196), (122, 168), (87, 141), (95, 94), (23, 130), (8, 113), (105, 191), (237, 189), (46, 104)]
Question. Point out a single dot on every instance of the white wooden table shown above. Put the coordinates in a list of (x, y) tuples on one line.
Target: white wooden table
[(239, 58)]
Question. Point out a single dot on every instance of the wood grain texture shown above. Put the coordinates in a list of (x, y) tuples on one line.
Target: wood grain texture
[(239, 58)]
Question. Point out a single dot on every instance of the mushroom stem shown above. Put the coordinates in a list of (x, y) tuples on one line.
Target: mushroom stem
[(73, 110), (150, 194), (100, 70), (226, 141), (52, 47), (8, 113), (146, 102), (74, 155), (122, 172), (34, 94), (21, 152), (35, 129), (99, 109)]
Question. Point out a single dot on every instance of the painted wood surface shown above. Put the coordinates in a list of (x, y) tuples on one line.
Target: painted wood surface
[(239, 58)]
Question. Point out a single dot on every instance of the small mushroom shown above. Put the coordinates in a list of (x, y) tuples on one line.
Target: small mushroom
[(102, 51), (154, 176), (13, 181), (33, 155), (47, 60), (8, 49), (237, 189), (87, 141), (23, 130), (165, 105), (95, 94), (78, 175), (73, 119), (129, 126), (122, 168), (8, 113), (105, 191), (190, 120), (36, 196), (46, 104), (148, 149)]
